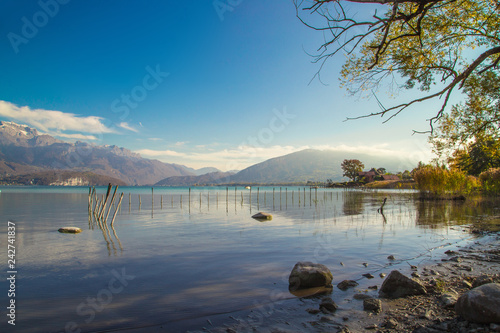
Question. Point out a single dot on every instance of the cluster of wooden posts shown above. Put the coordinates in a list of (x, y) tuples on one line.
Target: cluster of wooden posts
[(100, 207)]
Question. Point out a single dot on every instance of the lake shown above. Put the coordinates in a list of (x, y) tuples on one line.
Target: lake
[(193, 258)]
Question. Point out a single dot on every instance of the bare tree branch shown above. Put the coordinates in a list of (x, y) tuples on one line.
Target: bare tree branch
[(406, 24)]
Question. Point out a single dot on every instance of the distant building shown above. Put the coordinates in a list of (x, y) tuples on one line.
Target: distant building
[(390, 177), (75, 181), (371, 176), (367, 176)]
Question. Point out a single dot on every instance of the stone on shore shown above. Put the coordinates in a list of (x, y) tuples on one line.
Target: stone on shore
[(372, 305), (262, 216), (309, 275), (70, 230), (481, 280), (396, 285), (481, 304), (449, 299)]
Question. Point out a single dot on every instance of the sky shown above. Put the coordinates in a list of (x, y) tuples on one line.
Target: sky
[(224, 84)]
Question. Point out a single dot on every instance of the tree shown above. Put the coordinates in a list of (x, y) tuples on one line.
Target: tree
[(468, 137), (476, 119), (435, 45), (479, 156), (351, 168), (406, 175)]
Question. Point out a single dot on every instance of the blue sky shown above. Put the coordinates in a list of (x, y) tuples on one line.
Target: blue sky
[(183, 82)]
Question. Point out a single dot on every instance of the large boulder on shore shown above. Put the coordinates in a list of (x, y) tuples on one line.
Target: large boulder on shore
[(481, 304), (309, 275), (397, 285)]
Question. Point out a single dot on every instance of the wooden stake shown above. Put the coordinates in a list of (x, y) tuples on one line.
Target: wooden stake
[(116, 210), (101, 212), (112, 200)]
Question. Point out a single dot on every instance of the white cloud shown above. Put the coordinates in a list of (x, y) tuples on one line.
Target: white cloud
[(159, 153), (74, 136), (53, 121), (126, 126), (225, 159), (243, 156)]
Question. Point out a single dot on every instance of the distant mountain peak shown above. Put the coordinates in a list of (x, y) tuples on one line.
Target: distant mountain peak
[(24, 150), (12, 133), (13, 128)]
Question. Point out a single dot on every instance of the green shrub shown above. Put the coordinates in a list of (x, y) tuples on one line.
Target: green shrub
[(439, 181), (491, 181)]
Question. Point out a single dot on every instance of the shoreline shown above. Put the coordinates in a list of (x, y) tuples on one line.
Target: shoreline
[(446, 274), (445, 271)]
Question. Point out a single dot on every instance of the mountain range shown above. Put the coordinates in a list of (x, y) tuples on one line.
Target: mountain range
[(23, 150)]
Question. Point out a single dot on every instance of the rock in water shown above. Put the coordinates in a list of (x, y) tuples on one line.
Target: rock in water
[(397, 285), (346, 284), (328, 305), (308, 275), (70, 230), (481, 304), (262, 216)]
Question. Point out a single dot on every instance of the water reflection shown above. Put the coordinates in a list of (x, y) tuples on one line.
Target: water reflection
[(353, 202), (203, 253), (432, 214), (359, 207)]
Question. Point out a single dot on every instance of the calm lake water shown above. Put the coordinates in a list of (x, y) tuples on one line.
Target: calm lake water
[(179, 260)]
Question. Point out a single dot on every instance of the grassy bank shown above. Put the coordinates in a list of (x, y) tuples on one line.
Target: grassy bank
[(392, 184), (439, 182)]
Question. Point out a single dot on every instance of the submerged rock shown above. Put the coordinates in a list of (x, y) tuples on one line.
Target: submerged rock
[(361, 296), (70, 230), (262, 216), (309, 275), (397, 285), (481, 304), (308, 292), (328, 305), (346, 284), (313, 311)]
